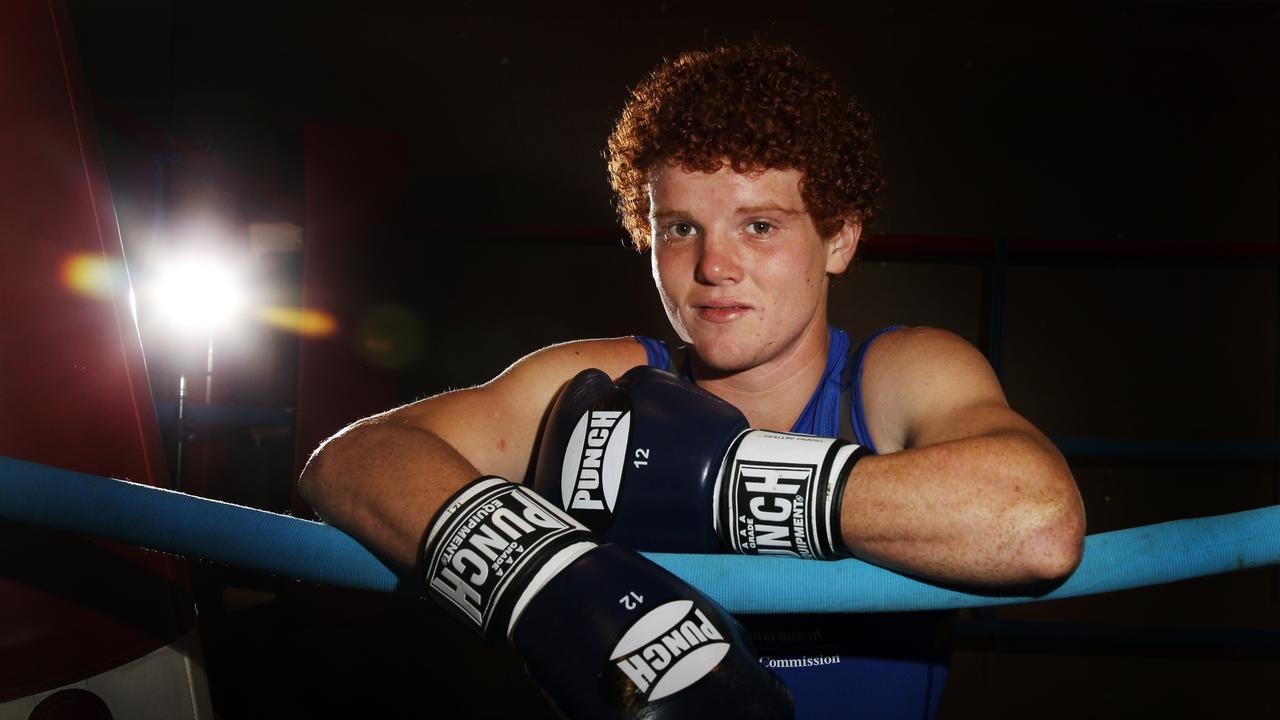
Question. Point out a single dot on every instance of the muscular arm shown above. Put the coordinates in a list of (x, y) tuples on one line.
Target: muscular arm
[(382, 479), (965, 490)]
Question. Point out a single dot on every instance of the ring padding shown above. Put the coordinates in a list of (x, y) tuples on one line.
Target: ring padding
[(266, 542)]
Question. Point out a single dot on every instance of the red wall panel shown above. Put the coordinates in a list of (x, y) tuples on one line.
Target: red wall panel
[(73, 385)]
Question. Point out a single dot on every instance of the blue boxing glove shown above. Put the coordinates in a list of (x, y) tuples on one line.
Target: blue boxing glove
[(603, 631), (658, 464)]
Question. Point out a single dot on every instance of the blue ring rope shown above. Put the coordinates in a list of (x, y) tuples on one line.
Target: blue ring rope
[(275, 544)]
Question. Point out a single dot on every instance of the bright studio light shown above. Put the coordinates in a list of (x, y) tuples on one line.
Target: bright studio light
[(197, 294)]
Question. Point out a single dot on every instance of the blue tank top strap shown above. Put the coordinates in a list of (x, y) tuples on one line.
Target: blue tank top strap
[(656, 350), (660, 356), (821, 416)]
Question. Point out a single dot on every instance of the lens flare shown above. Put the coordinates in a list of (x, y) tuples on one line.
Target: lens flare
[(198, 294), (390, 337), (307, 323), (90, 275)]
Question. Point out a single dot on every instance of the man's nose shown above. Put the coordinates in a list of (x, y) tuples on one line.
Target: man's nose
[(718, 261)]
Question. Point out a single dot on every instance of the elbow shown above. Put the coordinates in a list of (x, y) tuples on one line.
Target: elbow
[(309, 480), (320, 481), (313, 482), (1052, 516), (1053, 547)]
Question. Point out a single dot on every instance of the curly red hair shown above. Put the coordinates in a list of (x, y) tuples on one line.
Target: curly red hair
[(756, 107)]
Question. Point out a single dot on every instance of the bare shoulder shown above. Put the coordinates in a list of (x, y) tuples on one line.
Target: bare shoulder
[(534, 379), (925, 356), (556, 364), (495, 425), (914, 377)]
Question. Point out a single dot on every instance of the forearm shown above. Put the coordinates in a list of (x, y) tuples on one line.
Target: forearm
[(993, 509), (381, 482)]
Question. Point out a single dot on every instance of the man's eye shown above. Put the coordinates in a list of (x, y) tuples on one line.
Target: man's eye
[(760, 227), (680, 229)]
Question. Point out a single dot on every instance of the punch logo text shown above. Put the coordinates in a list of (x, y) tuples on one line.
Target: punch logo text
[(774, 497), (485, 546), (594, 460), (669, 649)]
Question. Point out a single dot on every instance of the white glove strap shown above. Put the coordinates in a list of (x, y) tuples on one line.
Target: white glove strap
[(779, 494)]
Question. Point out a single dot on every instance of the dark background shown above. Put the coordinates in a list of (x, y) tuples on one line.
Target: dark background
[(441, 168)]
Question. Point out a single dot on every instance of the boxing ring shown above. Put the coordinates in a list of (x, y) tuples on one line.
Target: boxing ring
[(291, 547), (122, 438)]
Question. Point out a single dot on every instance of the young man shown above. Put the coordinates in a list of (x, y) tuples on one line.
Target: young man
[(749, 178)]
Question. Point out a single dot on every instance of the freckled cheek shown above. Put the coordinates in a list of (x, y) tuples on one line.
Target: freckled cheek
[(791, 295), (791, 280), (671, 265), (662, 277)]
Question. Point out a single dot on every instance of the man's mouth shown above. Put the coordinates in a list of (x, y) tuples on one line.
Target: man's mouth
[(721, 311)]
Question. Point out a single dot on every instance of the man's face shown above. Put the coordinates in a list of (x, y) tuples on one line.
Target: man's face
[(739, 264)]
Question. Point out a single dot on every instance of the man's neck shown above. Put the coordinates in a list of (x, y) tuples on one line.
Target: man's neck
[(772, 395)]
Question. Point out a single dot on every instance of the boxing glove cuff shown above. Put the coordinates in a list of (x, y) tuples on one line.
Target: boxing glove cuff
[(780, 494)]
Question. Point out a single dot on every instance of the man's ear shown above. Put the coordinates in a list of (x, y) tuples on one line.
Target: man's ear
[(842, 246)]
